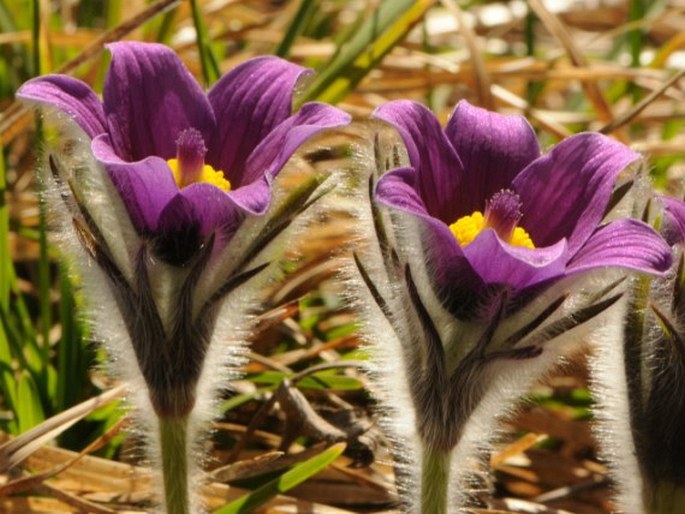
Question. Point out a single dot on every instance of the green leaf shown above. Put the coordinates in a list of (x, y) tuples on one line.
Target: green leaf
[(328, 380), (284, 483), (8, 384), (387, 26), (5, 258), (302, 16), (240, 399), (210, 64), (29, 409)]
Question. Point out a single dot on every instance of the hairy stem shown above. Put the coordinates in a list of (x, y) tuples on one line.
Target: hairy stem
[(173, 436), (435, 473)]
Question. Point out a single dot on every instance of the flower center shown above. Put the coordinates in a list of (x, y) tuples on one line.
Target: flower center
[(189, 165), (502, 213)]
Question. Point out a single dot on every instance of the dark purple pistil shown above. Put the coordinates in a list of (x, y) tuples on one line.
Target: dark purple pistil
[(503, 212), (190, 152)]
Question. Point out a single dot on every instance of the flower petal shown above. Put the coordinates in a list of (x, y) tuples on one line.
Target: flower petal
[(625, 243), (221, 210), (277, 147), (149, 98), (179, 236), (497, 262), (69, 95), (565, 192), (439, 170), (493, 149), (249, 102), (455, 281), (397, 188), (145, 187), (673, 225)]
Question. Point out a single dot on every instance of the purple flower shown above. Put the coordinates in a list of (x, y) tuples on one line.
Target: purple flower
[(498, 214), (673, 223), (641, 402), (185, 163)]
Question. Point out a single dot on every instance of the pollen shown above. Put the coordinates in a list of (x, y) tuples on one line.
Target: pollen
[(208, 175), (467, 228), (521, 238)]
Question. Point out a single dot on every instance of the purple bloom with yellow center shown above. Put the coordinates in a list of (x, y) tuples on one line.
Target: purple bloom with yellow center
[(186, 163), (489, 261), (673, 224), (498, 214), (642, 401), (168, 191)]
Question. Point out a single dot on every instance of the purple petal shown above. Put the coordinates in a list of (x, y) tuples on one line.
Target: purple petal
[(439, 170), (673, 224), (497, 262), (249, 102), (455, 279), (221, 210), (277, 147), (397, 188), (565, 192), (149, 98), (493, 149), (253, 198), (145, 187), (179, 236), (69, 95), (624, 243)]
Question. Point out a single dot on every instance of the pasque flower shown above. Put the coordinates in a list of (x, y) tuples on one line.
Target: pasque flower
[(167, 190), (491, 259), (642, 401), (497, 213), (186, 163)]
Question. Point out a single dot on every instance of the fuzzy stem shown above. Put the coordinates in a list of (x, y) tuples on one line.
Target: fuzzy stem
[(435, 473), (173, 438)]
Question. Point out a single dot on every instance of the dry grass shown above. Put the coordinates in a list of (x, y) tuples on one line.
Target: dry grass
[(579, 76)]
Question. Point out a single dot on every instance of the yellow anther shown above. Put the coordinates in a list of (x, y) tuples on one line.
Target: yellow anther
[(467, 228), (521, 238), (208, 174)]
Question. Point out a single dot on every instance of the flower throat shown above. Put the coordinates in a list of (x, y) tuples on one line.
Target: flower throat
[(189, 165), (502, 214)]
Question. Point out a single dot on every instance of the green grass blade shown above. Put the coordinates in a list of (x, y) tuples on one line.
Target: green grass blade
[(8, 383), (166, 26), (70, 352), (240, 399), (302, 17), (29, 408), (41, 49), (10, 19), (5, 258), (210, 63), (284, 483), (363, 51)]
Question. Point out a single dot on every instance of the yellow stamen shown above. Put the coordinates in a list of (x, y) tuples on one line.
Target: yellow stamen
[(467, 228), (208, 174), (521, 238)]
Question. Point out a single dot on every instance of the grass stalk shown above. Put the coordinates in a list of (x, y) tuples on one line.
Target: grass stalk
[(5, 258), (299, 22), (210, 64)]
